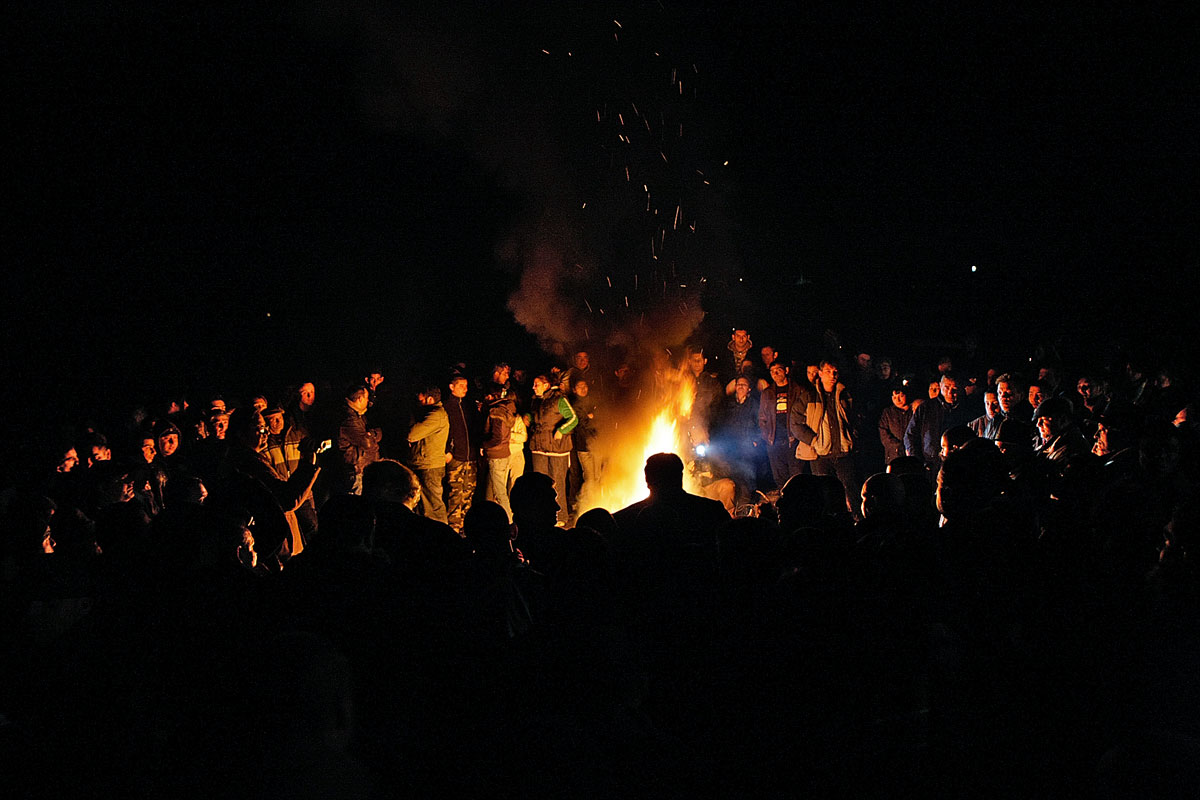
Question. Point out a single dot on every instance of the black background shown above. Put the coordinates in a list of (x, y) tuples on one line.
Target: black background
[(211, 197)]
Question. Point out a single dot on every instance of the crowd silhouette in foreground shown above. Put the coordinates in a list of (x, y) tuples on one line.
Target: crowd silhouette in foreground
[(965, 583)]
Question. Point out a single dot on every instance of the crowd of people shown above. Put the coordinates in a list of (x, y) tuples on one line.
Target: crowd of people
[(885, 578)]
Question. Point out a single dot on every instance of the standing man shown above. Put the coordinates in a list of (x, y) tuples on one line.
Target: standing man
[(550, 440), (427, 441), (584, 403), (580, 370), (923, 437), (740, 439), (739, 346), (774, 405), (461, 470), (893, 422), (708, 392), (822, 428), (357, 446), (497, 439)]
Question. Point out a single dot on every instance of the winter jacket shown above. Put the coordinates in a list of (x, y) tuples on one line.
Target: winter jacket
[(358, 446), (923, 437), (497, 428), (893, 422), (552, 414), (427, 438), (766, 408), (810, 422)]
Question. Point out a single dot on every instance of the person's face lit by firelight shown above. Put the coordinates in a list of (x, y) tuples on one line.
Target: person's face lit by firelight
[(741, 390), (1036, 396), (829, 377), (991, 404), (100, 452), (149, 449), (308, 395), (69, 460), (811, 372), (582, 361), (168, 443), (220, 425), (779, 375), (540, 386), (275, 424), (935, 390), (949, 388), (581, 389), (1007, 396), (696, 362), (741, 340), (458, 388), (900, 400), (768, 355)]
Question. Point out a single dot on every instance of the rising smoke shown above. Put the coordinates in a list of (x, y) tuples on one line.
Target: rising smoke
[(605, 247)]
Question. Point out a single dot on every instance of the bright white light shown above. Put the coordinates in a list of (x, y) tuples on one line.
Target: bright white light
[(701, 450), (974, 268)]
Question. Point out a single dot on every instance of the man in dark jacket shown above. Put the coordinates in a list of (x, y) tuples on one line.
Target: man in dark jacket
[(583, 401), (737, 443), (923, 437), (893, 422), (773, 406), (356, 445), (462, 470), (497, 434)]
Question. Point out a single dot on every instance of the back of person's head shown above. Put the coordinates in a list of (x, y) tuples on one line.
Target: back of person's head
[(1161, 449), (804, 502), (244, 425), (356, 390), (185, 490), (433, 391), (958, 435), (599, 520), (486, 528), (908, 465), (1016, 434), (389, 481), (882, 494), (1123, 423), (664, 472), (533, 500), (970, 479)]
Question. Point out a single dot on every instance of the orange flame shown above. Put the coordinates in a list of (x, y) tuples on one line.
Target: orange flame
[(622, 480)]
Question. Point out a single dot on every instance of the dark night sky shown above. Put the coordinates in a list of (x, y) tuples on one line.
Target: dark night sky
[(377, 179)]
